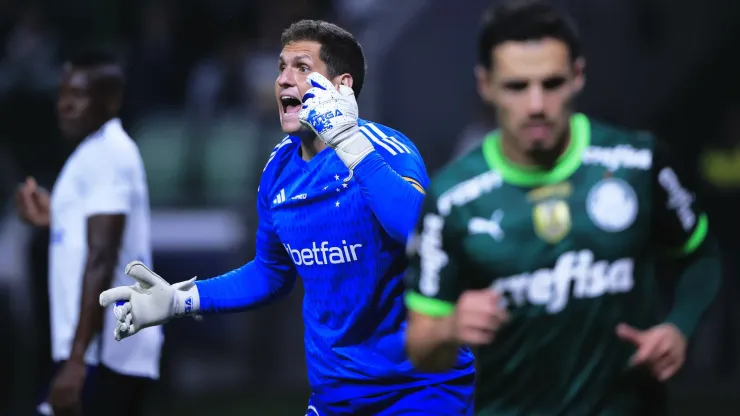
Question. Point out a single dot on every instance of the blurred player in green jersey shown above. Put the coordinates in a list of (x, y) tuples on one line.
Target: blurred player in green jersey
[(538, 245)]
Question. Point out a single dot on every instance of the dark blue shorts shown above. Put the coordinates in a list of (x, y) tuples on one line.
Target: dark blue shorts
[(453, 398)]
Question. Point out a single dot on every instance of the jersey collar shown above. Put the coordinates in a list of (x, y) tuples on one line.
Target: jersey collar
[(319, 157), (113, 124), (569, 161), (315, 161)]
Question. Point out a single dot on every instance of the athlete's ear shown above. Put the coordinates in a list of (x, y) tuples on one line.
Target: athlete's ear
[(483, 83), (579, 73), (344, 79)]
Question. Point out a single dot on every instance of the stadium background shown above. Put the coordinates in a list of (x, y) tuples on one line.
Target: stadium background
[(200, 105)]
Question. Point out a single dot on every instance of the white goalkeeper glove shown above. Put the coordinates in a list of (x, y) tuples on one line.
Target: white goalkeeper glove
[(150, 302), (332, 114)]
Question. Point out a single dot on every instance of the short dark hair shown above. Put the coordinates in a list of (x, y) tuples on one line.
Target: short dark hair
[(114, 80), (340, 50), (525, 20)]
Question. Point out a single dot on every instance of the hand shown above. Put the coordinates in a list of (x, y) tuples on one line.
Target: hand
[(32, 203), (661, 348), (331, 112), (66, 388), (151, 301), (478, 316)]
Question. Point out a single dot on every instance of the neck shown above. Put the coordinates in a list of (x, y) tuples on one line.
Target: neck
[(310, 147), (99, 125), (542, 159), (76, 140)]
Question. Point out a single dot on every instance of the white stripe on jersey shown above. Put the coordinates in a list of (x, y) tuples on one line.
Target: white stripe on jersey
[(286, 140), (279, 198), (392, 140), (400, 144), (372, 137)]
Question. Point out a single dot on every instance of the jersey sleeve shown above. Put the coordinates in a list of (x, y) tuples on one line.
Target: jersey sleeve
[(271, 258), (269, 277), (434, 279), (109, 187), (679, 223), (399, 152), (680, 227)]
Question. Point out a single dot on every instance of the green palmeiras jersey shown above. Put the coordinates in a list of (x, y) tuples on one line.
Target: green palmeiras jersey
[(571, 250)]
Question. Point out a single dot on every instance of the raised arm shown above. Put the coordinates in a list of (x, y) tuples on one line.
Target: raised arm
[(392, 180), (392, 185)]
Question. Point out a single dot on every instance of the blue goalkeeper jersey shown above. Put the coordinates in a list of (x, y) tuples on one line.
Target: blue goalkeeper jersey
[(315, 222)]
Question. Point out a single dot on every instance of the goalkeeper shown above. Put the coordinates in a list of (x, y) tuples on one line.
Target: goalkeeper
[(538, 246), (336, 201)]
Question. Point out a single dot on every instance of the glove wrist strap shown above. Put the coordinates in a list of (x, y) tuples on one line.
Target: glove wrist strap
[(353, 149), (187, 300)]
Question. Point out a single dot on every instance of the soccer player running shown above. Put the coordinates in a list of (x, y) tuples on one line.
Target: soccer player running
[(98, 212), (337, 200), (538, 245)]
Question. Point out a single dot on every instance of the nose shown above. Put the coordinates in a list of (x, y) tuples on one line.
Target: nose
[(536, 98), (286, 79)]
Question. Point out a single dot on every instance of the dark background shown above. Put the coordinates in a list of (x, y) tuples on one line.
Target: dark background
[(200, 105)]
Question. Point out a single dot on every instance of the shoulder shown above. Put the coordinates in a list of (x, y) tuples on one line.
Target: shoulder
[(398, 151), (616, 147), (278, 159), (110, 150), (610, 134), (281, 152), (463, 180), (386, 140)]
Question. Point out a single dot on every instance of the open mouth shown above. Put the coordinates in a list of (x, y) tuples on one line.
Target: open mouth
[(290, 104)]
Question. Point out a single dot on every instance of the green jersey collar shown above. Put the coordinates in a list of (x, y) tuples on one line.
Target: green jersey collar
[(569, 161)]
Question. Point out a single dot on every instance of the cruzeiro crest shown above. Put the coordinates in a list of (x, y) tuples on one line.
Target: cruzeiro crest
[(551, 213)]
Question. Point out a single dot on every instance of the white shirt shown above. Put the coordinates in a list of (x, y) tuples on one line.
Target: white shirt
[(104, 175)]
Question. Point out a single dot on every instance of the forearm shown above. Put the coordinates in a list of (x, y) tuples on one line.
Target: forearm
[(697, 287), (394, 200), (99, 269), (429, 345), (242, 289)]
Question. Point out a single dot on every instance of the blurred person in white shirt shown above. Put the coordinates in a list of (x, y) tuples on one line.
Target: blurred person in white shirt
[(98, 212)]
